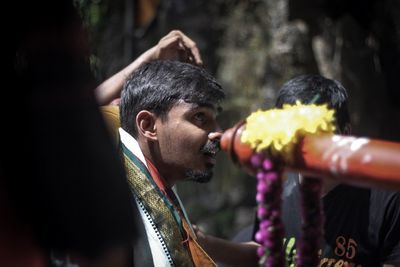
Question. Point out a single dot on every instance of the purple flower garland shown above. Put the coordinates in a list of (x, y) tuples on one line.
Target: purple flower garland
[(271, 230), (313, 220)]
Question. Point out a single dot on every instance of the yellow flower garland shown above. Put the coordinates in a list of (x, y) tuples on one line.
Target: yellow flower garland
[(280, 129)]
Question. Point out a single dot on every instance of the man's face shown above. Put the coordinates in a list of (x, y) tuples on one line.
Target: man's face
[(188, 142)]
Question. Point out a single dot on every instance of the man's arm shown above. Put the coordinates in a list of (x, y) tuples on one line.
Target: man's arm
[(175, 46), (231, 253)]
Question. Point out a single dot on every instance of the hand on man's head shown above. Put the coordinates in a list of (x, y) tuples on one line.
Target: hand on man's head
[(177, 46)]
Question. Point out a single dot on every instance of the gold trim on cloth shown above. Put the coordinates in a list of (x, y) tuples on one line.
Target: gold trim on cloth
[(161, 215)]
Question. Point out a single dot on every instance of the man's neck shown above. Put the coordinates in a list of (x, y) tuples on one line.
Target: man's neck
[(151, 159)]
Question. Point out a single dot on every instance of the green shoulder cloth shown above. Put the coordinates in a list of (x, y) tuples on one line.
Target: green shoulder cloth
[(162, 213)]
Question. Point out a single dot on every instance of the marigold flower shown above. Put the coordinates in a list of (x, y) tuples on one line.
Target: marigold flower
[(278, 130)]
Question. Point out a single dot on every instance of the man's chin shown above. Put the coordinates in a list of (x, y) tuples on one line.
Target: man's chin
[(199, 176)]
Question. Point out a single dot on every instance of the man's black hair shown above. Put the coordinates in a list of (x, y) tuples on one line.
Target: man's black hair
[(158, 85), (316, 89)]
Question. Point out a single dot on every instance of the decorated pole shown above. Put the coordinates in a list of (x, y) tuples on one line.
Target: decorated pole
[(301, 138), (348, 159)]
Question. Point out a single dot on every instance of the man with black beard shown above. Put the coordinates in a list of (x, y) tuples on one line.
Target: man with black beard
[(168, 134)]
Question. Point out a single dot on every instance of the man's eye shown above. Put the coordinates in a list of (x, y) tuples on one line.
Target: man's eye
[(201, 117)]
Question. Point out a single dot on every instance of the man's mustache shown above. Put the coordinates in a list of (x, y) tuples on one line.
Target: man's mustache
[(211, 147)]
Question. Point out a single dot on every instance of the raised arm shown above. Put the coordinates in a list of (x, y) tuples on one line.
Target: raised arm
[(175, 46)]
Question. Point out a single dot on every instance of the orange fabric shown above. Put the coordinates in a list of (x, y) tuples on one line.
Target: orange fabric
[(111, 118), (146, 12), (199, 256), (161, 183)]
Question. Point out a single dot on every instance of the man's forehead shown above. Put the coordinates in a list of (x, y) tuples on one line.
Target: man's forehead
[(193, 106)]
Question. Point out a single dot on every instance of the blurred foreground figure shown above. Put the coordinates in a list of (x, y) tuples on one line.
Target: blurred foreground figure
[(63, 193)]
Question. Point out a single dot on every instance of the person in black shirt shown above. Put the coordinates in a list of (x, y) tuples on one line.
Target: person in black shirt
[(361, 225)]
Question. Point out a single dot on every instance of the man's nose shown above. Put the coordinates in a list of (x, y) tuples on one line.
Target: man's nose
[(215, 136)]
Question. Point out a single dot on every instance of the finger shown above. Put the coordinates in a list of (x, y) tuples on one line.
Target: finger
[(169, 41), (186, 55), (195, 55), (172, 34), (192, 47), (170, 48)]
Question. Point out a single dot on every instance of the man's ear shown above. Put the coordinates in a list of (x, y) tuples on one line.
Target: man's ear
[(146, 124)]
